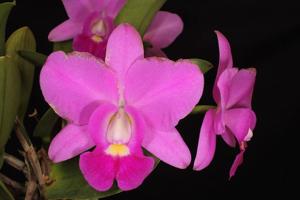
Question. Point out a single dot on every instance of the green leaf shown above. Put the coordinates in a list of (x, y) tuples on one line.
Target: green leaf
[(203, 64), (65, 46), (5, 9), (46, 125), (139, 13), (202, 109), (68, 183), (22, 39), (10, 93), (35, 58), (5, 193)]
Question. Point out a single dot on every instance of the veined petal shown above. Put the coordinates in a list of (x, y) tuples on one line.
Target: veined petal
[(236, 163), (98, 169), (225, 61), (70, 142), (239, 121), (78, 10), (65, 31), (241, 89), (168, 146), (133, 170), (164, 29), (162, 90), (75, 84), (123, 48), (207, 142)]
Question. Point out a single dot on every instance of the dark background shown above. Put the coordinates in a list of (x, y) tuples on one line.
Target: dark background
[(263, 34)]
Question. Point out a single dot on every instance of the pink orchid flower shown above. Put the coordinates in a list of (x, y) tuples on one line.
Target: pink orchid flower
[(91, 22), (233, 118), (119, 106)]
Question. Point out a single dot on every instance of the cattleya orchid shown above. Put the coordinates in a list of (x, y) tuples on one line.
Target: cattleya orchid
[(91, 22), (118, 107), (233, 118)]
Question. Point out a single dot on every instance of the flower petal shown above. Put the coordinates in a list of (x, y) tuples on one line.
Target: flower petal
[(168, 146), (65, 31), (164, 29), (70, 142), (224, 84), (236, 163), (207, 142), (113, 7), (133, 170), (162, 90), (75, 84), (123, 48), (98, 169), (241, 89), (228, 137), (239, 121), (225, 61), (99, 122), (78, 9), (154, 52)]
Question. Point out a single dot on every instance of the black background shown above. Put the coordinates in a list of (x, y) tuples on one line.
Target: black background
[(263, 34)]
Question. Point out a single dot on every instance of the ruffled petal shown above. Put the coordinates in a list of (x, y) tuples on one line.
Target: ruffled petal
[(225, 61), (239, 121), (75, 84), (98, 169), (133, 170), (123, 48), (65, 31), (70, 142), (207, 142), (164, 29), (236, 163), (162, 90), (168, 146)]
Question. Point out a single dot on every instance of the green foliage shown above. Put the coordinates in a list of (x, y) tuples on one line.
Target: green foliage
[(204, 65), (22, 39), (65, 46), (4, 192), (5, 9), (139, 13), (35, 58), (10, 93)]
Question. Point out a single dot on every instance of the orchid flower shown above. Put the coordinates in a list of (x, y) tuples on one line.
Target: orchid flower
[(233, 118), (91, 22), (118, 107)]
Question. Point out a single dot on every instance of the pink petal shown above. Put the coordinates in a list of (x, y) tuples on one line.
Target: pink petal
[(237, 162), (239, 121), (207, 142), (98, 169), (75, 84), (114, 7), (168, 146), (229, 138), (154, 52), (99, 122), (224, 84), (133, 170), (70, 142), (123, 48), (78, 10), (225, 61), (162, 90), (164, 29), (241, 88), (65, 31)]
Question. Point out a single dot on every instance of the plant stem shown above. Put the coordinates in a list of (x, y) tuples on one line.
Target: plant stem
[(202, 109), (15, 162), (12, 183)]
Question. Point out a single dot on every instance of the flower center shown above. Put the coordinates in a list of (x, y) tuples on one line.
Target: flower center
[(118, 134), (99, 31)]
